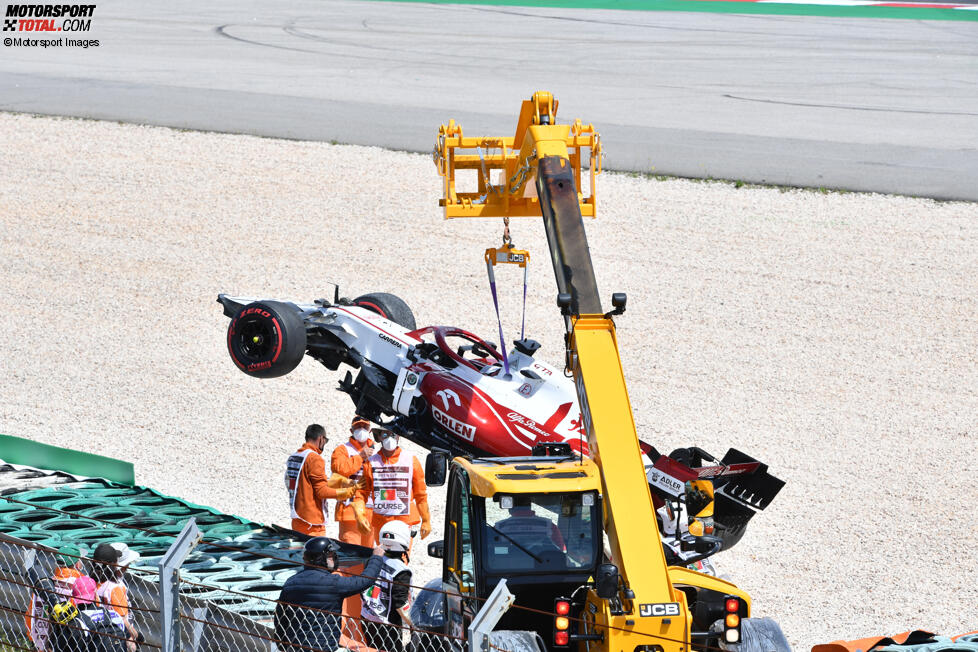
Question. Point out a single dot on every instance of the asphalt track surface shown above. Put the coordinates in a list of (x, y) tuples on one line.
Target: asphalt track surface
[(856, 103)]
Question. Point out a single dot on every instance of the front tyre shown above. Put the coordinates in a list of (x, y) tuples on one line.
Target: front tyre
[(267, 339)]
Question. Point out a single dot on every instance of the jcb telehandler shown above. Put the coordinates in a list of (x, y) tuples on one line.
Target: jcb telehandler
[(574, 537)]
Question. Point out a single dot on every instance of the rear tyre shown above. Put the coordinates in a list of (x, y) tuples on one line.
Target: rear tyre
[(389, 307), (267, 339)]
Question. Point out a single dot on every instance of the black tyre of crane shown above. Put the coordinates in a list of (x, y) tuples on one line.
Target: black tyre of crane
[(762, 635), (388, 306), (267, 339)]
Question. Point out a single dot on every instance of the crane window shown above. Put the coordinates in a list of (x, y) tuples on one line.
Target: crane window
[(540, 532)]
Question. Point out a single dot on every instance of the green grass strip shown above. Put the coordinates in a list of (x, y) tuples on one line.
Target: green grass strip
[(708, 6)]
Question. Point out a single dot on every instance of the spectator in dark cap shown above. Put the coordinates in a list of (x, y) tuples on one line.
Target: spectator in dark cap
[(109, 571)]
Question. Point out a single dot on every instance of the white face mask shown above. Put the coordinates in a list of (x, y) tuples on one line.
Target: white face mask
[(360, 434), (390, 444)]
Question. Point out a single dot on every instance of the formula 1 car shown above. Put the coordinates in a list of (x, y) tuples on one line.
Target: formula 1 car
[(444, 387), (410, 379)]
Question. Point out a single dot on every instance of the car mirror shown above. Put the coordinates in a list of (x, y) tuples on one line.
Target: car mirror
[(606, 581), (704, 546), (706, 543), (436, 549), (436, 467)]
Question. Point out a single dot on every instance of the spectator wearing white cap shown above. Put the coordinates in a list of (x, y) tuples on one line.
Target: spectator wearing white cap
[(111, 563)]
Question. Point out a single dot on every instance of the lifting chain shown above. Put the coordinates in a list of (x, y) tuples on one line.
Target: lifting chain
[(507, 239), (518, 180), (486, 179)]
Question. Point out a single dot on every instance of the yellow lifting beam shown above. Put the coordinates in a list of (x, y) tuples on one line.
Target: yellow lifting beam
[(512, 162)]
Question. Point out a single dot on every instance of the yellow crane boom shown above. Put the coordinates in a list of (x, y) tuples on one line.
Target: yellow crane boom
[(649, 611)]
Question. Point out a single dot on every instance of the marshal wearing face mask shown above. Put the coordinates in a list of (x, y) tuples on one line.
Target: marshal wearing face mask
[(393, 486), (348, 460)]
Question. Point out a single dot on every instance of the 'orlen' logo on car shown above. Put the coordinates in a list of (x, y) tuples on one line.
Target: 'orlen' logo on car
[(658, 609), (463, 430)]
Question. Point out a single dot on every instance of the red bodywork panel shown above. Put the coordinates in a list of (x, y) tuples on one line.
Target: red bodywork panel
[(465, 412)]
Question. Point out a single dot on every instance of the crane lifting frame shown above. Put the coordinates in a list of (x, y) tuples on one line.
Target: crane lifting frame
[(514, 162)]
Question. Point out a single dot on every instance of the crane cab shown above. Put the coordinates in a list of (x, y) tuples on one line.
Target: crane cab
[(535, 521)]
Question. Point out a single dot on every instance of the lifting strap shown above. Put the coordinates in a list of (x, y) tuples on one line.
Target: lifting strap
[(509, 255)]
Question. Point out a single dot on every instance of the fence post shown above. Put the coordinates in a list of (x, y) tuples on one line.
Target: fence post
[(170, 564), (492, 610), (197, 638)]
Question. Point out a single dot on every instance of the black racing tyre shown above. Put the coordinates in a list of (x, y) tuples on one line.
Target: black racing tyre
[(267, 339), (389, 307)]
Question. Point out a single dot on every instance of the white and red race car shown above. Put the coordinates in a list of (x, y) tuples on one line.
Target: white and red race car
[(443, 387), (438, 386)]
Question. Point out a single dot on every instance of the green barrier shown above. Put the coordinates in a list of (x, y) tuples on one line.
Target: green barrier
[(66, 528), (112, 514), (233, 578), (214, 520), (147, 521), (205, 571), (170, 529), (281, 576), (231, 531), (196, 561), (42, 497), (30, 518), (181, 511), (49, 539), (17, 450), (115, 493), (197, 591), (8, 508), (91, 537), (149, 502), (239, 604), (249, 559), (268, 589), (275, 566), (76, 505), (264, 539), (149, 548)]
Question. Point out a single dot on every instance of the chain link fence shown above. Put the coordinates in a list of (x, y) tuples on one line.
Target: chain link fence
[(191, 593), (50, 601), (250, 616), (224, 597), (212, 587)]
